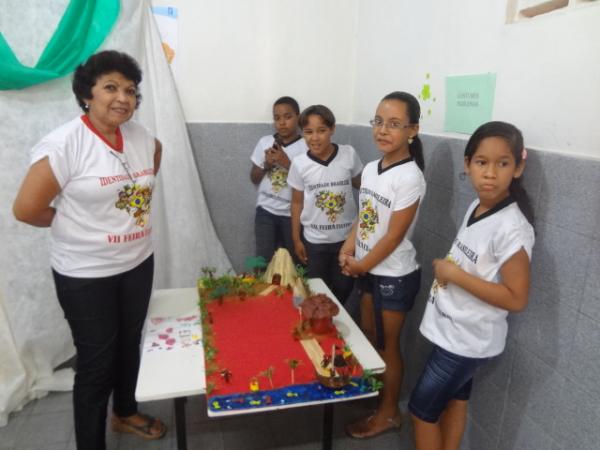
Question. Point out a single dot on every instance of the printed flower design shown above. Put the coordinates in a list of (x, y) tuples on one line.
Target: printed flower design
[(278, 177), (368, 219), (331, 203), (135, 199)]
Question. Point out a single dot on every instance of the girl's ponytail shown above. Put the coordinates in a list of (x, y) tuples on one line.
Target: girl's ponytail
[(517, 191), (416, 151), (414, 113)]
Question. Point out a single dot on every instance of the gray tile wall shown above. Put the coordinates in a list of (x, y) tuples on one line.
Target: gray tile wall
[(543, 392)]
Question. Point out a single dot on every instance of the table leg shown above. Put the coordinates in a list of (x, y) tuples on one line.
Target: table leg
[(327, 425), (180, 423)]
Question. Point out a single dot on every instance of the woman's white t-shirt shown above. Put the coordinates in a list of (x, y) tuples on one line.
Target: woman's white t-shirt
[(458, 321), (102, 225)]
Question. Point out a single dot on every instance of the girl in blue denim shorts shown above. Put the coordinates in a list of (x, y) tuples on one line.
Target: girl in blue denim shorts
[(378, 248), (484, 276)]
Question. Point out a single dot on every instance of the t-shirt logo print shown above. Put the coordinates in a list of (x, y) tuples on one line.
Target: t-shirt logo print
[(278, 177), (135, 199), (331, 203), (368, 219)]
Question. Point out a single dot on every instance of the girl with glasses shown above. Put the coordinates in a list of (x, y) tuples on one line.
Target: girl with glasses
[(379, 251)]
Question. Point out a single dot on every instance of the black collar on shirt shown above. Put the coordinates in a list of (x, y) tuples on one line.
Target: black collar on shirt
[(381, 170), (501, 205), (276, 137), (320, 161)]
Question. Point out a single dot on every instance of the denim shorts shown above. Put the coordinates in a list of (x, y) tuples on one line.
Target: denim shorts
[(446, 377), (394, 293)]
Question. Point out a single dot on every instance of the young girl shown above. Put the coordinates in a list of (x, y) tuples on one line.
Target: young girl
[(485, 275), (378, 248), (322, 199), (271, 160)]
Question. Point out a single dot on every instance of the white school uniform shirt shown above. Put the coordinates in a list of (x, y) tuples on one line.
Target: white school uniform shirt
[(382, 192), (329, 208), (274, 194), (458, 321), (102, 224)]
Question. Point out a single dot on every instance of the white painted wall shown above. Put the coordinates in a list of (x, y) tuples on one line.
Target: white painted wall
[(237, 56), (548, 69)]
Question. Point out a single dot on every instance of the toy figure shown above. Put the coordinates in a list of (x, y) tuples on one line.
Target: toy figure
[(226, 375)]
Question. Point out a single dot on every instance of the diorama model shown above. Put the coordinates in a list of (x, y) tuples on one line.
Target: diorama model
[(269, 341)]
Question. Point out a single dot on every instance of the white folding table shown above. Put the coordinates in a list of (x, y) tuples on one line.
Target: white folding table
[(180, 373)]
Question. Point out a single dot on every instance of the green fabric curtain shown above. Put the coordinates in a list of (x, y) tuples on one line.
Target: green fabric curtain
[(82, 29)]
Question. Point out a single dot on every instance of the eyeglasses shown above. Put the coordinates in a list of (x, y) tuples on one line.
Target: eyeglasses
[(378, 123)]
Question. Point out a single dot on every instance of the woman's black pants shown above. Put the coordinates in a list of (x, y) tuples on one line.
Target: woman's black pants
[(106, 316)]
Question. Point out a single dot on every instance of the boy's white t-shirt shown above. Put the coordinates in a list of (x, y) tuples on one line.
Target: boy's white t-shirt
[(458, 321), (329, 208), (382, 192), (274, 194), (102, 224)]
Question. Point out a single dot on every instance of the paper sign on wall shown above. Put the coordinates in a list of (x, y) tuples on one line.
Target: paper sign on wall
[(469, 101)]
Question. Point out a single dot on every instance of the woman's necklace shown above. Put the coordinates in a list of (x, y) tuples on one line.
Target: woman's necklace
[(125, 165)]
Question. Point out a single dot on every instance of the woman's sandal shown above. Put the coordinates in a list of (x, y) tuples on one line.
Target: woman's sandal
[(145, 430), (362, 428)]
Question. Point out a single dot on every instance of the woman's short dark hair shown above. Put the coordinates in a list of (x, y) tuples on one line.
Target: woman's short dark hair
[(317, 110), (99, 64)]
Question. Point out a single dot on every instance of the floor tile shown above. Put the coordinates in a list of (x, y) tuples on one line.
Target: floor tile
[(25, 411), (43, 430), (57, 446), (54, 402), (10, 433), (132, 442), (250, 431)]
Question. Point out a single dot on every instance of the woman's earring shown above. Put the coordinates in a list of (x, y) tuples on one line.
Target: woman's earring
[(410, 140), (86, 106)]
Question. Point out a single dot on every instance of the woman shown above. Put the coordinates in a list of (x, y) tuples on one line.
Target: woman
[(91, 182)]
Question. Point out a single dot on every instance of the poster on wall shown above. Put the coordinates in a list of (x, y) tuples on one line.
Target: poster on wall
[(166, 19), (469, 101)]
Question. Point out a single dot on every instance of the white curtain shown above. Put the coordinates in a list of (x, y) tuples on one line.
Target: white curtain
[(34, 337)]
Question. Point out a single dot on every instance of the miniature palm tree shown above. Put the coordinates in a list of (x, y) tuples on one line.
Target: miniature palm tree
[(209, 271), (219, 292), (293, 363), (256, 264), (268, 374)]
